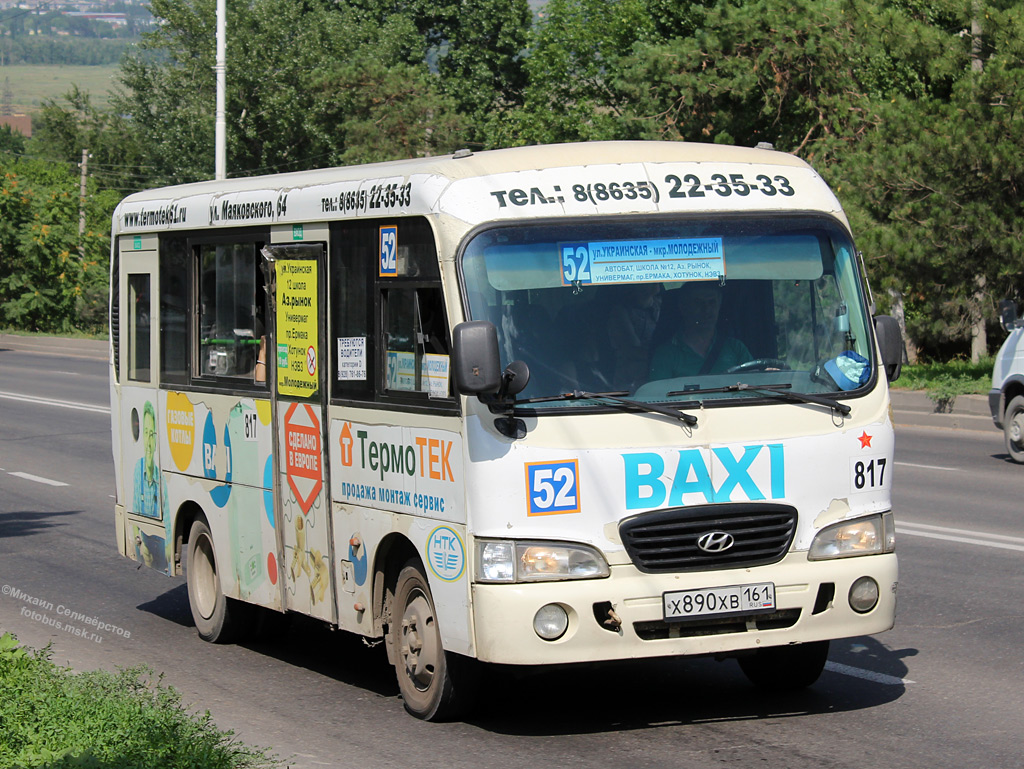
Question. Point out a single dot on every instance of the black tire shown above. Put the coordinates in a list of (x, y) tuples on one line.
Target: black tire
[(1013, 429), (436, 685), (786, 668), (218, 619)]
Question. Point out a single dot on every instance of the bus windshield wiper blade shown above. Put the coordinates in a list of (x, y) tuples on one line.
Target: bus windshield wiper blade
[(781, 390), (616, 398)]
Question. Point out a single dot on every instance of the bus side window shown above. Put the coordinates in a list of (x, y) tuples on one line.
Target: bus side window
[(229, 308), (352, 261), (138, 328), (415, 327), (384, 326), (174, 300)]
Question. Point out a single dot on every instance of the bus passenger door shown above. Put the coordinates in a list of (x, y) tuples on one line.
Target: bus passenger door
[(295, 370), (142, 489)]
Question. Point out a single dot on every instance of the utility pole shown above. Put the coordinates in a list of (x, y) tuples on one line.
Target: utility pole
[(84, 165), (976, 305), (220, 126)]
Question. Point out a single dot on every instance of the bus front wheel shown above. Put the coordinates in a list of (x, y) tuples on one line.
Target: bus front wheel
[(435, 685), (786, 668), (218, 619)]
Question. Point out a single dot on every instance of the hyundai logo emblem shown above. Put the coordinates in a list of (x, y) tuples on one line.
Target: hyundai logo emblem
[(715, 541)]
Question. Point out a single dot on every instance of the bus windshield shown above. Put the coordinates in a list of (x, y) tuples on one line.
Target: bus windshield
[(674, 309)]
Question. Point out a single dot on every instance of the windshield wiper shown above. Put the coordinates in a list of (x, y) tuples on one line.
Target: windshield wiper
[(615, 398), (781, 390)]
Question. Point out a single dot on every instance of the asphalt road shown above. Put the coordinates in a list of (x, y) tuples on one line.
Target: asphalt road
[(942, 689)]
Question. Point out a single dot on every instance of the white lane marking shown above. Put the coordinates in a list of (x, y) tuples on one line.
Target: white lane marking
[(968, 532), (52, 402), (38, 479), (867, 675), (930, 467), (999, 541)]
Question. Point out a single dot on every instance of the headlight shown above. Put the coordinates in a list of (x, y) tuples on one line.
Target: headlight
[(863, 536), (495, 562), (509, 561)]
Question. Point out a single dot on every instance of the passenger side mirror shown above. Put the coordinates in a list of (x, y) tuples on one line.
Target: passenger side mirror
[(890, 344), (1008, 314), (475, 357)]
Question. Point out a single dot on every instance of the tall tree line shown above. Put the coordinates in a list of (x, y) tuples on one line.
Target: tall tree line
[(911, 109)]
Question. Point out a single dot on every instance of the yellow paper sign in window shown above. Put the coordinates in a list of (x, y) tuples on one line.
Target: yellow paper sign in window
[(298, 359)]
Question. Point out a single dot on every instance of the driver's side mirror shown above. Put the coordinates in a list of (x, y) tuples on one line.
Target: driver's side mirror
[(477, 363), (1007, 314), (890, 345), (475, 359)]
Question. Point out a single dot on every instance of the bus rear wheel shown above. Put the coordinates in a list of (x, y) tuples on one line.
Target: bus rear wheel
[(218, 619), (786, 668), (435, 685)]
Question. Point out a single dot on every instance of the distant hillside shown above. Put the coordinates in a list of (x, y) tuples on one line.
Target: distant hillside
[(24, 88)]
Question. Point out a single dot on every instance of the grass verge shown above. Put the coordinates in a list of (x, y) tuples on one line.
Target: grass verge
[(945, 381), (53, 717)]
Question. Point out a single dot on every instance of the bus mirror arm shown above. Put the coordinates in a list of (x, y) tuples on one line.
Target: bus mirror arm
[(514, 379), (890, 345), (477, 370)]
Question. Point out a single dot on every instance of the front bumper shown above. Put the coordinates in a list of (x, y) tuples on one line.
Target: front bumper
[(503, 614), (995, 405)]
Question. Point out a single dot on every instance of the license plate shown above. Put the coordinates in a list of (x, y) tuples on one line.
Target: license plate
[(719, 601)]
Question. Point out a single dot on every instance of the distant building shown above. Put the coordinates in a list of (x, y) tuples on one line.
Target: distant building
[(117, 19), (20, 123)]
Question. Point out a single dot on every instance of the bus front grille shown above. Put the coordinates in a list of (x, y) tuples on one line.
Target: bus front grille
[(734, 535)]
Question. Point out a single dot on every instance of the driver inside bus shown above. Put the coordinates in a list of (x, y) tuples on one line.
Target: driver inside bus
[(696, 347)]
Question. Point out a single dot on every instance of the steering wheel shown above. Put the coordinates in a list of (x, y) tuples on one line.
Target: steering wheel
[(759, 364)]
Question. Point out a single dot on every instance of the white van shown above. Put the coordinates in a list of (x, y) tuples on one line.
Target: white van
[(1006, 398)]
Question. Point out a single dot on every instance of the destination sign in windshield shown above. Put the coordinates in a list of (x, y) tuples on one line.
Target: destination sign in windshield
[(637, 261)]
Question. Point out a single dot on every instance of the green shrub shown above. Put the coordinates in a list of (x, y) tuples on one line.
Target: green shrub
[(945, 381), (52, 717)]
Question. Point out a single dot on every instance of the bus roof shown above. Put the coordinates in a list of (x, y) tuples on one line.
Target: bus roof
[(522, 182)]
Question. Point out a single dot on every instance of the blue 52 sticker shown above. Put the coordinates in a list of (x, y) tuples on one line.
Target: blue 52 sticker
[(553, 487), (389, 250), (576, 263)]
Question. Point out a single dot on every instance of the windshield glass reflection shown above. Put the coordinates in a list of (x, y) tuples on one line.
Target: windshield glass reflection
[(668, 309)]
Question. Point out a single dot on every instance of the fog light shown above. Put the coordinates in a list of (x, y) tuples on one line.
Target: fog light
[(864, 595), (550, 622)]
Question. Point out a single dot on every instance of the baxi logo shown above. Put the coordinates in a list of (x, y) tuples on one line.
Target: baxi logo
[(758, 473)]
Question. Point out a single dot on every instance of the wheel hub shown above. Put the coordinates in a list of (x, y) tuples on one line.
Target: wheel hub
[(1017, 427), (419, 642)]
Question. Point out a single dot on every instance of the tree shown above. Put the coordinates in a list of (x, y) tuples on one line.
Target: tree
[(307, 81), (576, 52), (936, 188), (45, 284), (11, 142), (74, 123)]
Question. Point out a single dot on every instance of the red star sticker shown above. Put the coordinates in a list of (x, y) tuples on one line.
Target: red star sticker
[(865, 440)]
